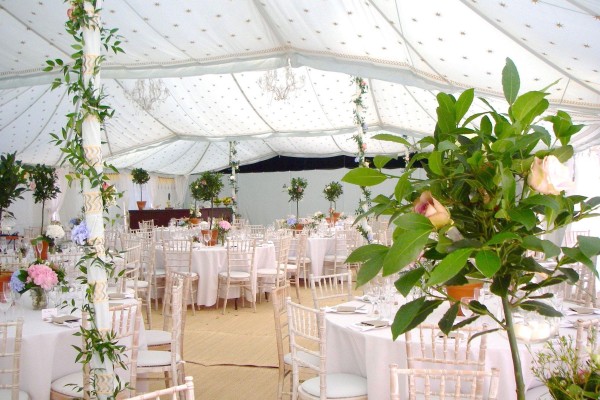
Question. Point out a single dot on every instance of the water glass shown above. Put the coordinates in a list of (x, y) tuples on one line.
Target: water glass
[(464, 306)]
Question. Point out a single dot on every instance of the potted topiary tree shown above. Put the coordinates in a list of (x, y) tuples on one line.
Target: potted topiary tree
[(140, 176), (13, 182), (206, 188), (332, 192), (43, 183), (296, 191)]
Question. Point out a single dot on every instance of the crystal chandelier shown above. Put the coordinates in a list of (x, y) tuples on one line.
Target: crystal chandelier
[(147, 93), (280, 85)]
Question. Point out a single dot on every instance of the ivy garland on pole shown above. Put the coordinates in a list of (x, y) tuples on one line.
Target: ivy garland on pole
[(80, 141), (364, 202), (233, 183)]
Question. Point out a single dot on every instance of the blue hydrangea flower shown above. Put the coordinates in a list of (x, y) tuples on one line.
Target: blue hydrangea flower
[(370, 237), (365, 126), (291, 221), (356, 159), (16, 283), (80, 234)]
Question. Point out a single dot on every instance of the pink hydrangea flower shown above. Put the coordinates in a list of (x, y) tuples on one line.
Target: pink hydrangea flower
[(42, 275), (224, 225)]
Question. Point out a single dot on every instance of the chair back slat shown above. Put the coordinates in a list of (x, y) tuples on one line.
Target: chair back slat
[(331, 287)]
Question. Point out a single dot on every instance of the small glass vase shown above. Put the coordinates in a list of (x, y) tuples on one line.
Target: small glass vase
[(39, 298)]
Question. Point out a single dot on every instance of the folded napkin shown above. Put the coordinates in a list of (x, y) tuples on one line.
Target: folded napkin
[(346, 310), (370, 325), (577, 310), (68, 321), (364, 299)]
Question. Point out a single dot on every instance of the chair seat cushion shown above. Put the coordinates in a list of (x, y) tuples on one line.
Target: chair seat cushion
[(267, 271), (289, 267), (302, 259), (304, 356), (156, 337), (64, 384), (7, 393), (160, 272), (236, 275), (338, 386), (140, 284), (154, 358)]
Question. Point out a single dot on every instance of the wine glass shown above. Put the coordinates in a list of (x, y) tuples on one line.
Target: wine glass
[(39, 245), (5, 299), (464, 306), (206, 238)]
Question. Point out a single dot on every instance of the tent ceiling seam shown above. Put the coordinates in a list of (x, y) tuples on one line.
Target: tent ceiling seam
[(590, 12), (530, 50), (269, 22), (199, 160), (147, 146), (312, 86), (407, 44), (152, 153), (250, 104), (336, 143), (380, 122), (426, 111), (408, 53), (25, 110)]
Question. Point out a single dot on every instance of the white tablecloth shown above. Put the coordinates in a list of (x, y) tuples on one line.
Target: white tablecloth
[(47, 352), (316, 249), (370, 353), (207, 262)]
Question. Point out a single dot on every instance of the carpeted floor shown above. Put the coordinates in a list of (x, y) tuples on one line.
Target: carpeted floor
[(231, 356)]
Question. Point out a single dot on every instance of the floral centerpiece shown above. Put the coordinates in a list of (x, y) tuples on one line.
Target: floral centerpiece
[(54, 232), (296, 190), (47, 240), (291, 222), (195, 212), (37, 278), (494, 187), (332, 192), (223, 227), (318, 217), (567, 374), (109, 195), (80, 234), (140, 177)]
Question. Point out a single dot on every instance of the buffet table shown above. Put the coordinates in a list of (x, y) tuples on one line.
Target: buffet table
[(162, 217)]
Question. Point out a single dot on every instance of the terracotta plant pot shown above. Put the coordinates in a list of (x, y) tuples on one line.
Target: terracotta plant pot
[(458, 292), (194, 221), (213, 238), (141, 205)]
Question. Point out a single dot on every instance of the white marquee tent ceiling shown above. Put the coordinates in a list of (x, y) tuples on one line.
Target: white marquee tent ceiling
[(209, 54)]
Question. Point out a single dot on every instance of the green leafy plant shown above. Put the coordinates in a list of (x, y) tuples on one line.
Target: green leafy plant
[(296, 191), (495, 184), (206, 188), (332, 192), (567, 374), (43, 179), (13, 182), (140, 176)]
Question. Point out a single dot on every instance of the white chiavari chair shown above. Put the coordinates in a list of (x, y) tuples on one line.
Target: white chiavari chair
[(169, 364), (298, 262), (432, 384), (336, 262), (239, 273), (172, 393), (583, 292), (284, 354), (307, 336), (571, 240), (157, 339), (126, 321), (326, 288), (271, 278), (10, 353), (177, 256)]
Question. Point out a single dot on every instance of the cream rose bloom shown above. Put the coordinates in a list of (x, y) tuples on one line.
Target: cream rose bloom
[(432, 209), (549, 176)]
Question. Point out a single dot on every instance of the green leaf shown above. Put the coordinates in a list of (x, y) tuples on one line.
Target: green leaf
[(403, 187), (408, 280), (448, 319), (381, 161), (510, 81), (503, 237), (464, 103), (563, 153), (414, 222), (589, 245), (449, 266), (364, 177), (366, 252), (525, 104), (446, 113), (541, 308), (525, 217), (500, 285), (412, 314), (543, 200), (369, 269), (576, 255), (446, 145), (435, 163), (503, 145), (487, 262), (406, 248), (387, 137)]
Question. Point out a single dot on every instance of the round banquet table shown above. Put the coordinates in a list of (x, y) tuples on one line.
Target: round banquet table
[(369, 353), (47, 351), (208, 261), (316, 249)]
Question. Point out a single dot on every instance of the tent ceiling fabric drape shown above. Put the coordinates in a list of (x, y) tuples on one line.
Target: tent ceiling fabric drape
[(210, 55)]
